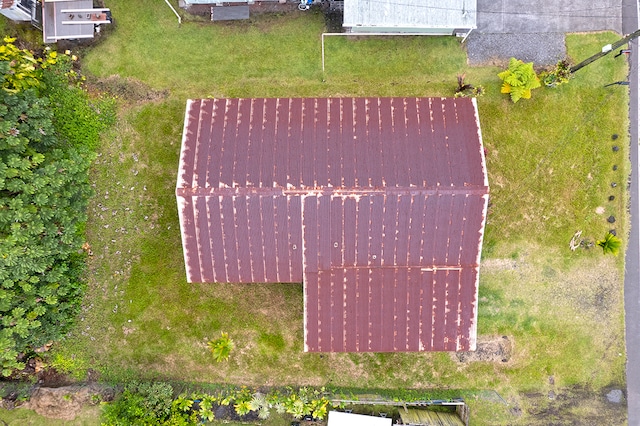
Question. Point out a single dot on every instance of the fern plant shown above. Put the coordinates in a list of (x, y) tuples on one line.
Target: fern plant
[(221, 347), (610, 244), (519, 79)]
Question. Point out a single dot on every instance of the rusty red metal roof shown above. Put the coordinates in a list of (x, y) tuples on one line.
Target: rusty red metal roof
[(376, 204)]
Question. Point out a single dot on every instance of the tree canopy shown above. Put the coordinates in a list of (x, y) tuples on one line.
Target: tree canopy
[(44, 191)]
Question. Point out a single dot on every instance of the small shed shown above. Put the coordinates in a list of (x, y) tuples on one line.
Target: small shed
[(437, 17), (339, 418), (377, 205)]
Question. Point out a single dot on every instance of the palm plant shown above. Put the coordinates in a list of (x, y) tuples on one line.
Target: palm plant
[(221, 347), (242, 408), (610, 244)]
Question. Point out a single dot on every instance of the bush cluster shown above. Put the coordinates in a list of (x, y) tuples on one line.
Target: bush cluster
[(44, 192), (154, 404)]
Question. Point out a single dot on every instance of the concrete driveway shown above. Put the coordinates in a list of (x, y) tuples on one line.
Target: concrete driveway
[(534, 31)]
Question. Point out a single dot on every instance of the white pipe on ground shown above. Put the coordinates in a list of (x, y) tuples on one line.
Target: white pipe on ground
[(174, 11)]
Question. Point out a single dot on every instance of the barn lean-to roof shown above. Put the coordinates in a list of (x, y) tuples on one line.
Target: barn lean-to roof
[(376, 204)]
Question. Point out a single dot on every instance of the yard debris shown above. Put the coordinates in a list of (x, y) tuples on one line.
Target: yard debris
[(575, 241)]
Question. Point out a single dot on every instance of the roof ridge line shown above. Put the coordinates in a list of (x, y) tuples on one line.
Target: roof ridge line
[(229, 191)]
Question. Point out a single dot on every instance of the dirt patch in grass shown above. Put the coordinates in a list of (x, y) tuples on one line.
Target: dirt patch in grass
[(489, 349), (128, 89), (571, 406), (68, 401)]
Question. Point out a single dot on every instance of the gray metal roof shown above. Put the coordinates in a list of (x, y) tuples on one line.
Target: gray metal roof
[(407, 14), (377, 204)]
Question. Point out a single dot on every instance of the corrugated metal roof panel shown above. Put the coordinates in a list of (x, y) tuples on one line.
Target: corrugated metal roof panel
[(410, 13), (378, 205), (385, 300), (387, 310), (376, 143)]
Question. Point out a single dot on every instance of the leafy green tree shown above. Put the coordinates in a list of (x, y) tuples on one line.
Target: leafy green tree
[(610, 244), (44, 191), (519, 79)]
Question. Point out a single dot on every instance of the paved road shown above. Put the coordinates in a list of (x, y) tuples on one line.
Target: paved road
[(632, 262)]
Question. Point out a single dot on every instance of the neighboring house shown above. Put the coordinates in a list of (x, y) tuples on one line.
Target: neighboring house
[(437, 17), (19, 10), (377, 205), (58, 19)]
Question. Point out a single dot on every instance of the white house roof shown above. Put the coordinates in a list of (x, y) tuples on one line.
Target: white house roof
[(70, 19), (410, 13), (338, 418)]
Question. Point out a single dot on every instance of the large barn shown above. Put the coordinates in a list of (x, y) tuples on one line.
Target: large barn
[(377, 205)]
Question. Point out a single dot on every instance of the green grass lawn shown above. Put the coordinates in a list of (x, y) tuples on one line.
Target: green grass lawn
[(550, 162)]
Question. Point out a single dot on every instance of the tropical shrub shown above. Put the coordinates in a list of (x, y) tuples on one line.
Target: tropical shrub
[(465, 90), (23, 71), (44, 191), (221, 347), (78, 120), (610, 244), (144, 404), (519, 79), (147, 404), (560, 74)]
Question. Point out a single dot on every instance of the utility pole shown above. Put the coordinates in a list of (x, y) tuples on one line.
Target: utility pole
[(605, 51)]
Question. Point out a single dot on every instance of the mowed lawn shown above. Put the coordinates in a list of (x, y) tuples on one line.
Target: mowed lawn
[(550, 161)]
